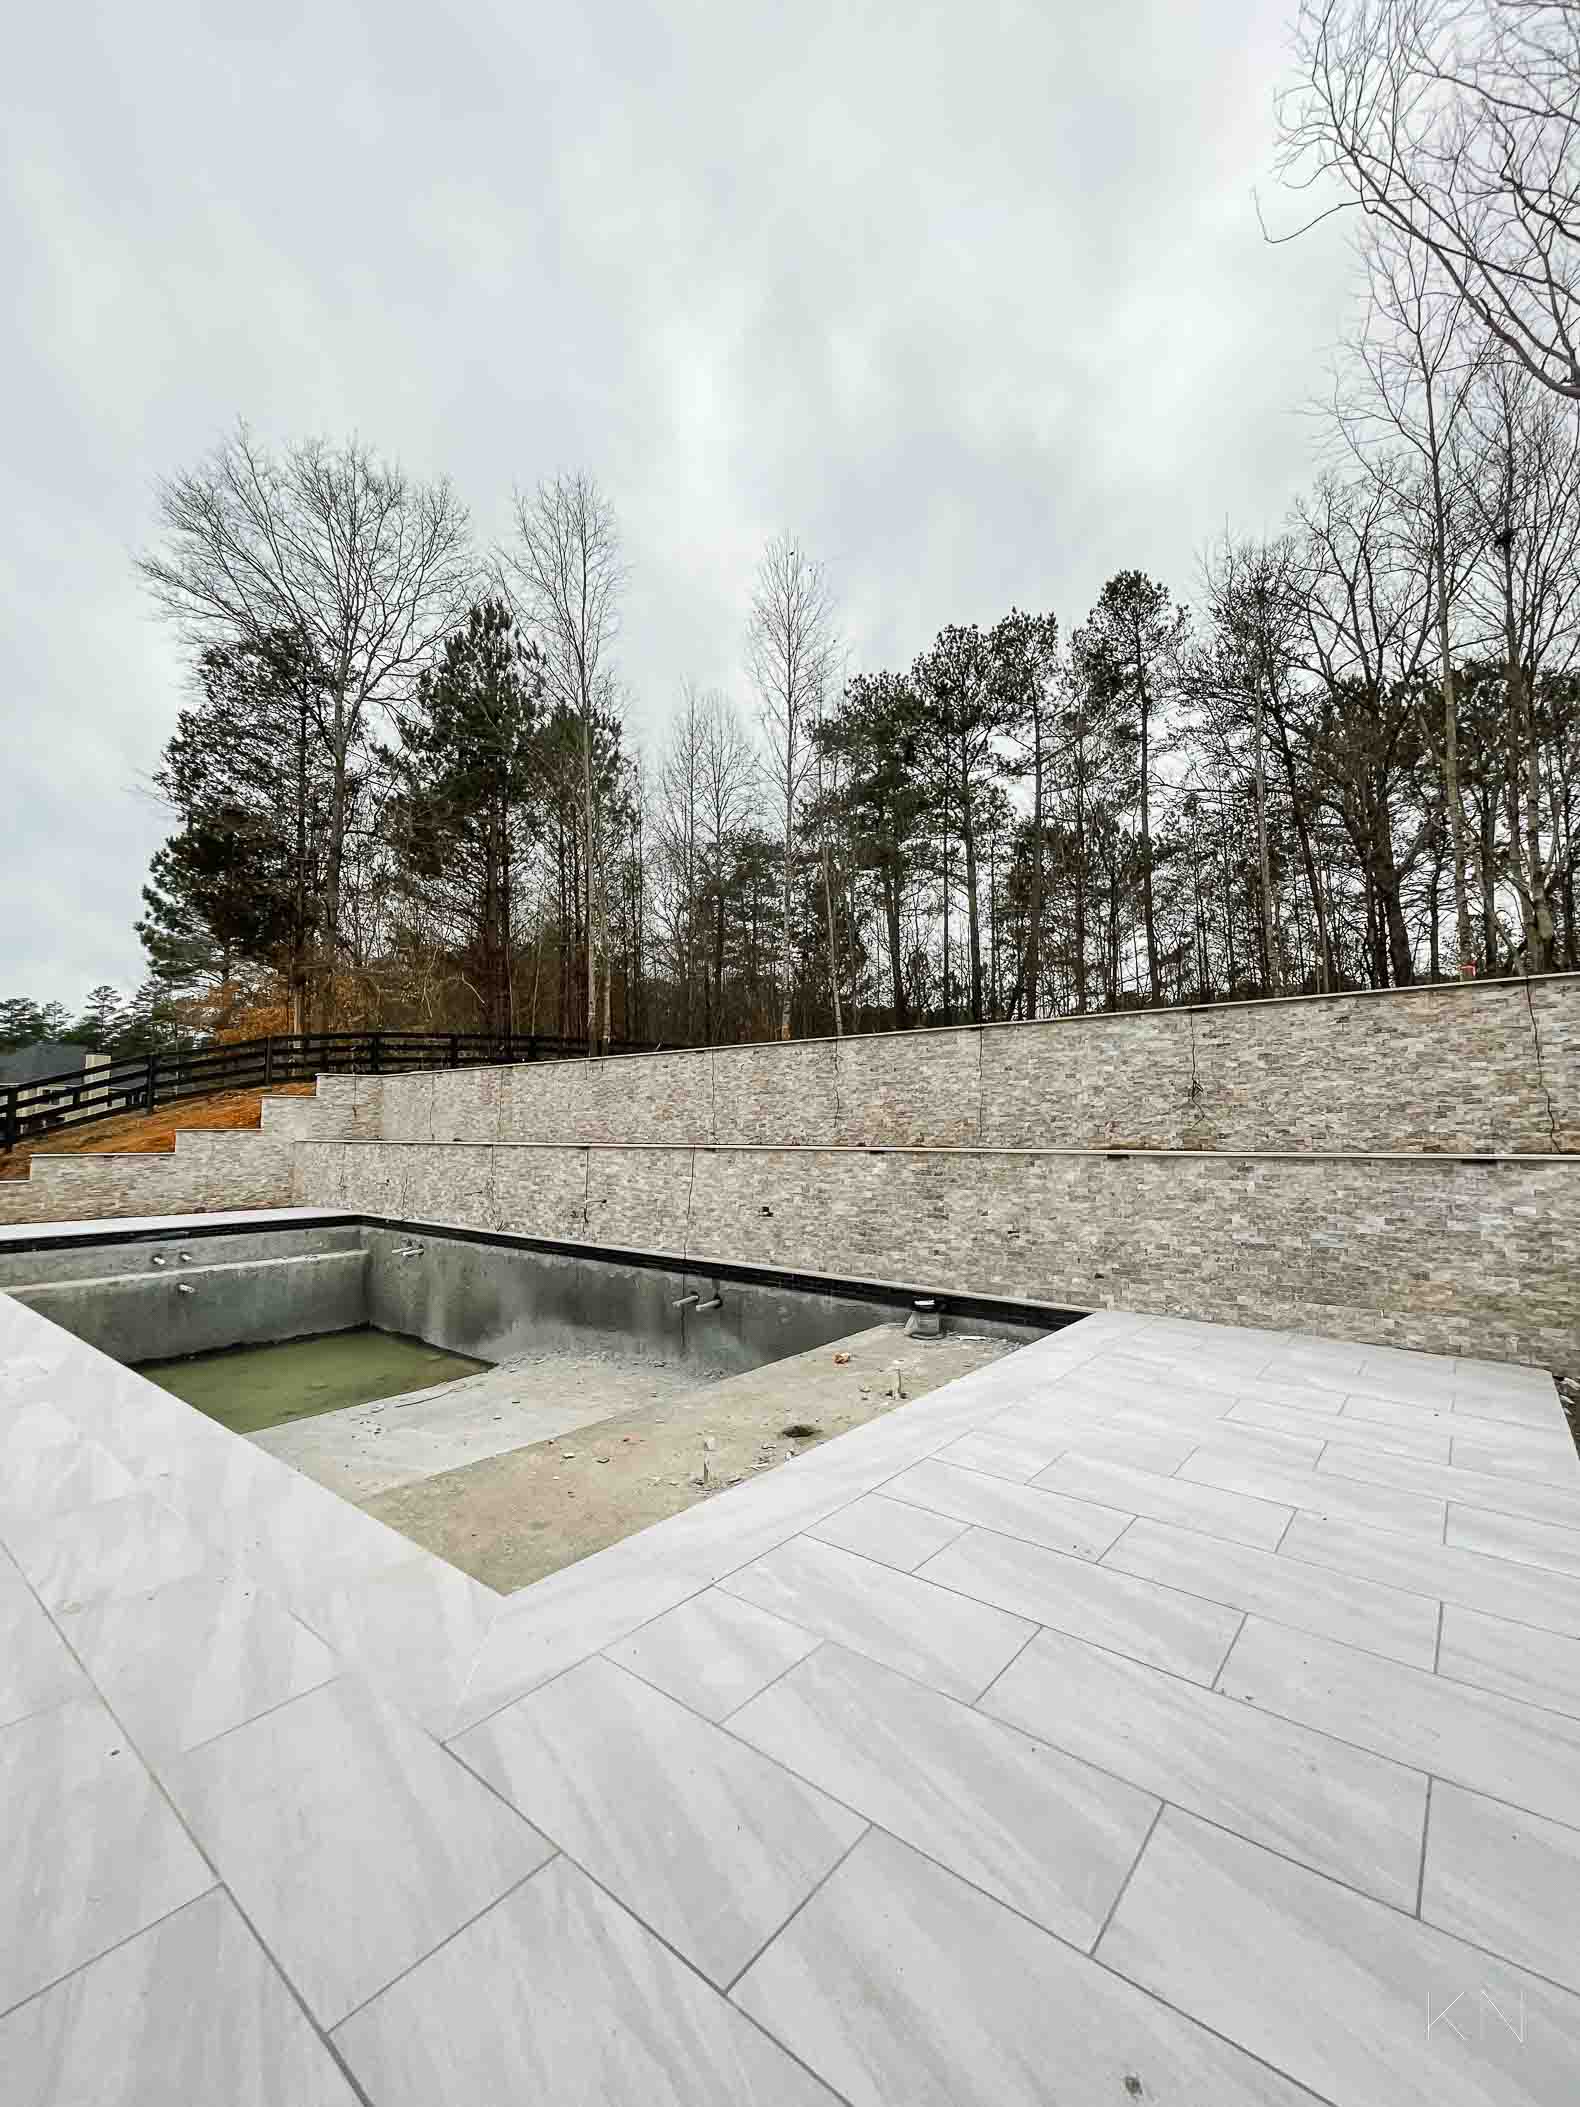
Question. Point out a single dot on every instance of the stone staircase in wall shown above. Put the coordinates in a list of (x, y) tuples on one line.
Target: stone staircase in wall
[(207, 1172)]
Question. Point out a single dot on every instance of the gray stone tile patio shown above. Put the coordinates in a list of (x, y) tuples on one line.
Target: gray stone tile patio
[(1167, 1713)]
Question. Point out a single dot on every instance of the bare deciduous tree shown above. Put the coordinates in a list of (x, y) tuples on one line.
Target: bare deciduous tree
[(791, 653), (1241, 676), (728, 784), (364, 567), (1407, 422), (1368, 623), (1527, 493), (1456, 125), (678, 825), (567, 574)]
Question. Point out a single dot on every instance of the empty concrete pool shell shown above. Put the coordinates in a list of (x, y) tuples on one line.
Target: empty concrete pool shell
[(443, 1379)]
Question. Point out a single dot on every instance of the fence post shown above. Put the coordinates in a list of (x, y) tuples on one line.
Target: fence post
[(268, 1061), (376, 1054), (150, 1082), (455, 1049), (10, 1123)]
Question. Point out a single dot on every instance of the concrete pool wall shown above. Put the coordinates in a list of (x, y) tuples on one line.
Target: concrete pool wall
[(155, 1295)]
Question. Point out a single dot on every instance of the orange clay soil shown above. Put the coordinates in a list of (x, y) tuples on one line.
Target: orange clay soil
[(149, 1133)]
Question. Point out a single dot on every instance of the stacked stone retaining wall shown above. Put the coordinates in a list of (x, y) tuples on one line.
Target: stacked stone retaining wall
[(1299, 1163), (1456, 1070)]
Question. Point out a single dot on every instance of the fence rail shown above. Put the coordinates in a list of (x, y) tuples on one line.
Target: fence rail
[(140, 1082)]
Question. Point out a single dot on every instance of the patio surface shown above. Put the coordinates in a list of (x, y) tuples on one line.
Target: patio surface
[(1166, 1713)]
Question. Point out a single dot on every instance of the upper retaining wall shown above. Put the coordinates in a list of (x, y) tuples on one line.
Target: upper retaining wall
[(1453, 1070)]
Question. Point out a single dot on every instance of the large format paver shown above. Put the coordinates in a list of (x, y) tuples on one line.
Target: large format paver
[(92, 1850), (709, 1842), (1493, 1871), (1051, 1836), (557, 1994), (190, 2011), (1513, 1659), (351, 1841), (37, 1670), (1179, 1632), (1339, 1809), (1502, 1587), (1364, 2004), (196, 1658), (1498, 1745), (1037, 1517), (939, 1636), (1241, 1517), (1187, 1774), (898, 1982), (1334, 1605), (887, 1530), (714, 1652)]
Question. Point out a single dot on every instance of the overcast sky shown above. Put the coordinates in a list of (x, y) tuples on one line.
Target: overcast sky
[(969, 297)]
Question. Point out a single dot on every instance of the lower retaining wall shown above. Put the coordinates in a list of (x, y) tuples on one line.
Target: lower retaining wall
[(1478, 1257), (1430, 1252), (204, 1172)]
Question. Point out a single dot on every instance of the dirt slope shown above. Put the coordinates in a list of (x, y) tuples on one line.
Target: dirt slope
[(148, 1133)]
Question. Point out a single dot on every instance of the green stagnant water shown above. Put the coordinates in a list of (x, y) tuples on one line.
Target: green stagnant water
[(248, 1388)]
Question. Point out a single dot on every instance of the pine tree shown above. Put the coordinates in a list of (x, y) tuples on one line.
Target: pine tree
[(469, 774), (101, 1021), (240, 882)]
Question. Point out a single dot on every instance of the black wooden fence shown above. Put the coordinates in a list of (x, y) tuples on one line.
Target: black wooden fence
[(139, 1082)]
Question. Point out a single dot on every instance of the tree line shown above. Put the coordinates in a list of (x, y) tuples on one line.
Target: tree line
[(146, 1022), (404, 789)]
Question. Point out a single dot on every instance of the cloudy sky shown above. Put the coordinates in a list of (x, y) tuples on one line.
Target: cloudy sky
[(971, 297)]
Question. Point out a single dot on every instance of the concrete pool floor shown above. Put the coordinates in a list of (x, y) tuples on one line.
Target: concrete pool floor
[(1165, 1712), (524, 1511), (399, 1440), (253, 1389)]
